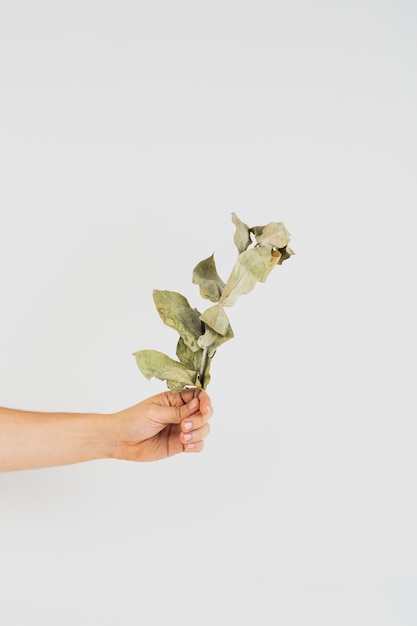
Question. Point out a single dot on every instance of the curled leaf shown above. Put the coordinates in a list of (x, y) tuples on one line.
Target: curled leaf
[(212, 340), (285, 253), (193, 360), (175, 311), (216, 318), (274, 234), (154, 364), (252, 266), (206, 277), (242, 235), (217, 329)]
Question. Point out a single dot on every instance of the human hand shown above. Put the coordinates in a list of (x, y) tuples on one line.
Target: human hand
[(163, 425)]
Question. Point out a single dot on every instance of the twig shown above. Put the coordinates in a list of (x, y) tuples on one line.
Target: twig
[(202, 371)]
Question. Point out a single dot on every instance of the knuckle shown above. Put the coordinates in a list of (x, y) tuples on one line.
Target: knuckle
[(177, 413)]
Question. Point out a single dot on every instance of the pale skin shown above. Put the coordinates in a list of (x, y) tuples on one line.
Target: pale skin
[(154, 429)]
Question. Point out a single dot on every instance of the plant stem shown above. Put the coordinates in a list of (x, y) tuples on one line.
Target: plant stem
[(202, 370)]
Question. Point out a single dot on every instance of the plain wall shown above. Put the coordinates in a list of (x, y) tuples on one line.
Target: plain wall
[(129, 133)]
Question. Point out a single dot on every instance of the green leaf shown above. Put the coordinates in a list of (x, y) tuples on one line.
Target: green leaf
[(154, 364), (274, 234), (175, 311), (252, 266), (206, 277), (241, 237)]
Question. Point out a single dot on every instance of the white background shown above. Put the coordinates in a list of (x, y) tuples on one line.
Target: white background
[(129, 133)]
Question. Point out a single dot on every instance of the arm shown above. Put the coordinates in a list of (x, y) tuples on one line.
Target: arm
[(154, 429), (31, 440)]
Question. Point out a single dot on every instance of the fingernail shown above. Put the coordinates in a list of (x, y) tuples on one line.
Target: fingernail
[(188, 425), (193, 404), (190, 446), (187, 437)]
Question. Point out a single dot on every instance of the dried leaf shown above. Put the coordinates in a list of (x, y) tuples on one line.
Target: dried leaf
[(241, 237), (212, 340), (218, 329), (216, 318), (286, 253), (260, 249), (252, 266), (274, 234), (176, 312), (154, 364), (192, 360), (206, 277)]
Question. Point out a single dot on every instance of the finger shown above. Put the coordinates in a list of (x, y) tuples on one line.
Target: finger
[(194, 447), (205, 403), (184, 412), (187, 394), (195, 436), (194, 422), (180, 406)]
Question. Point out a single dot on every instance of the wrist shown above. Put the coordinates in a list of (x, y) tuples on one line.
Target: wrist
[(105, 432), (127, 440)]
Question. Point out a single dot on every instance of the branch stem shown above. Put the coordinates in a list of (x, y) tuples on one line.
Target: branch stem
[(202, 371)]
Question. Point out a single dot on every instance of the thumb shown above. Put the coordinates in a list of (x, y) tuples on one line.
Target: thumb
[(175, 414)]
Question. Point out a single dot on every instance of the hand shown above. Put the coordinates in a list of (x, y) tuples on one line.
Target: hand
[(163, 425)]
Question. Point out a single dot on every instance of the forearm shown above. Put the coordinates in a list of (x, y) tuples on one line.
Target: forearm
[(30, 440)]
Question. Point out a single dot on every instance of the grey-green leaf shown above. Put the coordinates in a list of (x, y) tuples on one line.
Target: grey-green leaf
[(242, 235), (154, 364), (176, 312), (212, 340), (252, 266), (274, 234), (192, 360), (216, 318), (218, 329), (260, 249), (187, 356), (206, 277)]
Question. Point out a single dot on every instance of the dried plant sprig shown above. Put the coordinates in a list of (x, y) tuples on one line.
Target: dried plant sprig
[(260, 249)]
